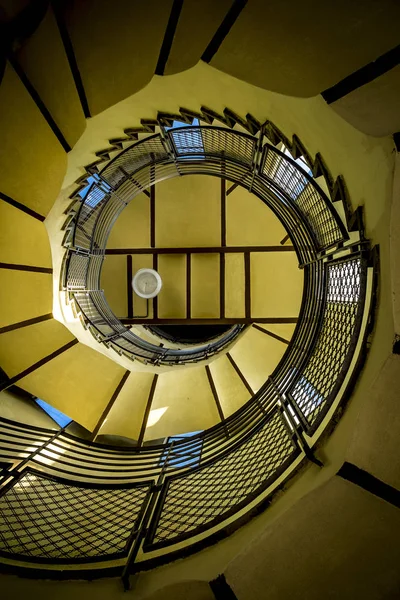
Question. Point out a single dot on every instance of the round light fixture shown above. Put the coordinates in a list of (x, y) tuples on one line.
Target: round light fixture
[(147, 283)]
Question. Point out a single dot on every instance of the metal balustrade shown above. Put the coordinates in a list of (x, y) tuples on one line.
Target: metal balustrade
[(314, 205), (56, 490), (77, 504), (215, 151)]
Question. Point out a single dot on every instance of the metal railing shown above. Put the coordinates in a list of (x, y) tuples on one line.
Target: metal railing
[(303, 209), (76, 504), (82, 505)]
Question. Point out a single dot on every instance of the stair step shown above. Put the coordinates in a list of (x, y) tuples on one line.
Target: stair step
[(232, 392), (21, 348), (19, 115), (44, 61), (80, 382), (257, 354), (127, 413), (20, 303), (183, 402), (23, 240)]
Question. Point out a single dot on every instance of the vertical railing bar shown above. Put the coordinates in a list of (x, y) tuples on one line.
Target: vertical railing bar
[(297, 428), (142, 529)]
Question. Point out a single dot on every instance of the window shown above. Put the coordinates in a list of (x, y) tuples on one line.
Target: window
[(292, 180), (183, 456), (98, 192), (57, 416), (187, 142)]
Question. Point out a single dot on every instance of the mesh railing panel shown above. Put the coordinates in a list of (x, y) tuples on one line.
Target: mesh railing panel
[(76, 272), (97, 312), (134, 158), (211, 141), (342, 314), (198, 500), (312, 203), (87, 217), (46, 519)]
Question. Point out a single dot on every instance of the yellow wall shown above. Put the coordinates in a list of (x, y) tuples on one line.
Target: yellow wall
[(172, 298), (188, 212), (114, 283), (205, 285), (234, 285), (232, 392), (250, 222), (115, 53), (276, 284), (13, 407), (132, 228), (308, 47), (257, 354)]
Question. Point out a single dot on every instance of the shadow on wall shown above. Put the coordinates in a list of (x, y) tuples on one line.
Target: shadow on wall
[(185, 590)]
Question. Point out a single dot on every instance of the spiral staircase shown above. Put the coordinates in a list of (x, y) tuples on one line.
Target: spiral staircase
[(266, 439)]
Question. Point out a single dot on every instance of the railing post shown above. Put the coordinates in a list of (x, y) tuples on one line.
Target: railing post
[(257, 156), (297, 427), (143, 526)]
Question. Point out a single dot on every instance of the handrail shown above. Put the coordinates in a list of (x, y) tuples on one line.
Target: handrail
[(112, 506), (212, 150), (267, 439)]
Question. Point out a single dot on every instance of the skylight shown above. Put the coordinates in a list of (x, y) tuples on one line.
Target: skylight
[(187, 142)]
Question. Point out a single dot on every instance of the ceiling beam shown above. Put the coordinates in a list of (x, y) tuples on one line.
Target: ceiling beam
[(206, 321), (201, 250)]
